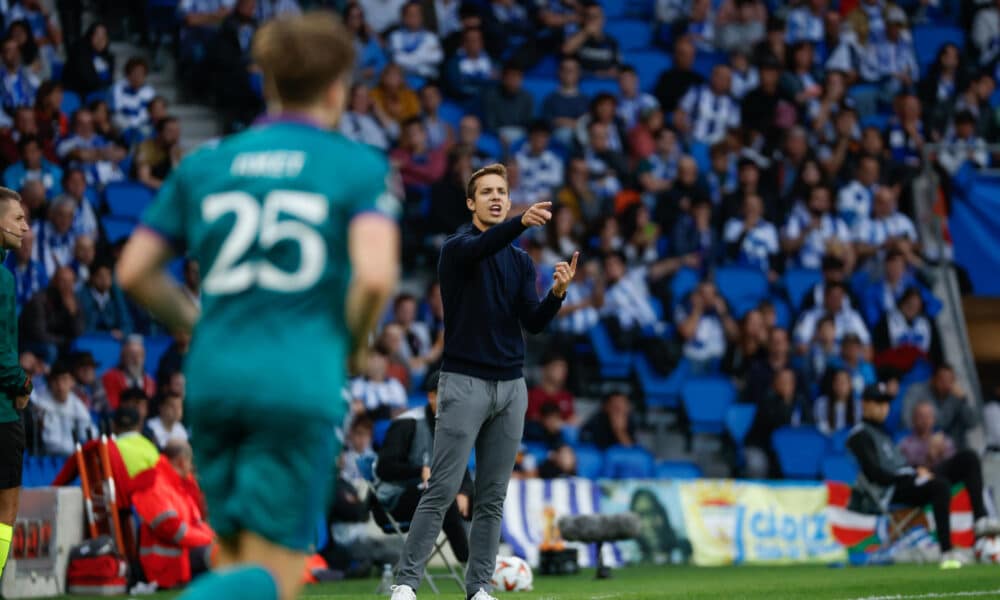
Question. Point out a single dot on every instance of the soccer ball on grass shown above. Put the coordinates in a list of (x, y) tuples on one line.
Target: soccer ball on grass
[(512, 574), (988, 549)]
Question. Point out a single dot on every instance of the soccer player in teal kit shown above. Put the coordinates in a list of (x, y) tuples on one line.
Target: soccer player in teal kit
[(294, 229)]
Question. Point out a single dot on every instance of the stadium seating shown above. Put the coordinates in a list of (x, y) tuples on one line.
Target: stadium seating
[(800, 451), (451, 113), (571, 434), (117, 228), (839, 467), (127, 199), (742, 287), (706, 402), (539, 88), (683, 281), (537, 450), (838, 440), (631, 34), (589, 461), (40, 471), (106, 349), (677, 469), (739, 420), (660, 391), (614, 363), (628, 462), (156, 347), (797, 284), (416, 400), (648, 65), (928, 39), (378, 432), (71, 102), (593, 86)]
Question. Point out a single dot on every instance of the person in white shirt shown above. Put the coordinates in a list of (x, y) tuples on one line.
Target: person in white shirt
[(887, 229), (382, 15), (375, 393), (986, 34), (751, 240), (631, 100), (168, 427), (805, 23), (584, 300), (854, 202), (708, 111), (131, 96), (845, 319), (361, 124), (64, 418), (808, 233), (541, 168), (962, 146), (704, 323), (412, 47)]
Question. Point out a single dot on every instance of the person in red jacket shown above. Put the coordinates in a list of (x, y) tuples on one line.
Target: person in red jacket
[(175, 542), (129, 373)]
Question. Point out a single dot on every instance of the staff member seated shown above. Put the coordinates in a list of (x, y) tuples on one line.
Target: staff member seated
[(887, 472), (402, 471)]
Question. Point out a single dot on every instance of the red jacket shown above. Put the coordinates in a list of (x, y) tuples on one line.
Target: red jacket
[(115, 382), (171, 524)]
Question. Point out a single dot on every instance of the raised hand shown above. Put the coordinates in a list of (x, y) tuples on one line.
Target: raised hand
[(563, 275), (537, 214)]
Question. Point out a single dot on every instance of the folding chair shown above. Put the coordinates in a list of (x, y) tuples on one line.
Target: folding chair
[(866, 499), (390, 526)]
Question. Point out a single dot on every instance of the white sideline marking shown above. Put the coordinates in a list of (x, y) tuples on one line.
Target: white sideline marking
[(934, 595)]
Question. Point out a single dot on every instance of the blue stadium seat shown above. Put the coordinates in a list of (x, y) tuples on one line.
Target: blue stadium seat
[(538, 450), (490, 145), (648, 64), (451, 112), (548, 67), (571, 434), (704, 62), (839, 467), (739, 420), (878, 120), (742, 287), (838, 440), (127, 198), (366, 466), (928, 39), (70, 102), (117, 228), (677, 469), (660, 391), (797, 284), (782, 312), (614, 363), (632, 34), (416, 400), (628, 462), (684, 280), (706, 402), (589, 461), (614, 9), (106, 349), (156, 347), (800, 451), (592, 86), (540, 88), (379, 431)]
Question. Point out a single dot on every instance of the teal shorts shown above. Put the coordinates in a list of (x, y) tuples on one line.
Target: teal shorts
[(269, 472)]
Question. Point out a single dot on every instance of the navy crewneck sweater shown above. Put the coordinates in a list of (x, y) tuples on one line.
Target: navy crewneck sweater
[(488, 292)]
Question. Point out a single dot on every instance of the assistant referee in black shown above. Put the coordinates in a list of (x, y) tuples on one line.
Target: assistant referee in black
[(490, 298), (15, 384)]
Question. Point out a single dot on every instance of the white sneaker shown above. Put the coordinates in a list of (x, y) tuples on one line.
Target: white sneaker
[(986, 526), (483, 595), (954, 559), (403, 592)]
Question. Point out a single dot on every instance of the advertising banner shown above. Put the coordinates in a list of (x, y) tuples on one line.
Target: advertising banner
[(664, 538)]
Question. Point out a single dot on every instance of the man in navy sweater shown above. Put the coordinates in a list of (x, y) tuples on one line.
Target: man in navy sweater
[(489, 295)]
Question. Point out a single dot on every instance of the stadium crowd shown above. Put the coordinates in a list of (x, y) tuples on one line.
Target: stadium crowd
[(676, 139)]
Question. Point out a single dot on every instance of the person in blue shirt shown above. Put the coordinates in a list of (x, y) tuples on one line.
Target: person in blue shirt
[(33, 167)]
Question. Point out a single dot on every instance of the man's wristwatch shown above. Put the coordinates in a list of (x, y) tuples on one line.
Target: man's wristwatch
[(28, 387)]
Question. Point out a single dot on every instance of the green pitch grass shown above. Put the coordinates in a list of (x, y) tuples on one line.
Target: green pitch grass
[(776, 583)]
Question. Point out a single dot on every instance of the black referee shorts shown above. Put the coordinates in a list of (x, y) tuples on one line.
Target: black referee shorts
[(11, 454)]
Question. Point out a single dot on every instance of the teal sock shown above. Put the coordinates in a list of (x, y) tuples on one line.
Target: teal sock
[(245, 583)]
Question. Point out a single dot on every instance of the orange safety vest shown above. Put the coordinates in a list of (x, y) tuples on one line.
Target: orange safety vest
[(171, 525)]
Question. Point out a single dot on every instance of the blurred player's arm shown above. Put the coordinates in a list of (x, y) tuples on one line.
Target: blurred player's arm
[(373, 243), (141, 273)]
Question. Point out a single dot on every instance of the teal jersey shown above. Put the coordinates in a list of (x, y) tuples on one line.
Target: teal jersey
[(265, 213)]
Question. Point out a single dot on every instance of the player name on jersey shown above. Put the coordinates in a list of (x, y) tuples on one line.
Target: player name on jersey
[(274, 163)]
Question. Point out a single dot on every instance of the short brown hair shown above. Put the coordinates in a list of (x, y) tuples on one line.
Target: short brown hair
[(7, 196), (302, 55), (493, 169)]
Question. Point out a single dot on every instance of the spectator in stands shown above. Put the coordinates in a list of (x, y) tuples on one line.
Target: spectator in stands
[(43, 28), (157, 156), (448, 211), (985, 35), (130, 372), (752, 241), (418, 349), (642, 136), (52, 319), (33, 200), (603, 109), (854, 202), (167, 427), (560, 462), (546, 427), (783, 406), (746, 76), (131, 97), (551, 390), (896, 57), (977, 99), (172, 360), (675, 82), (614, 425), (906, 131), (694, 239), (229, 62), (30, 277), (887, 473), (83, 367), (759, 107), (906, 334), (561, 239), (740, 24), (627, 301), (597, 52), (18, 85), (508, 110), (657, 171), (564, 106), (33, 166), (750, 346), (925, 447), (962, 146), (955, 414), (823, 351), (805, 22), (631, 100), (846, 319), (887, 229), (809, 233), (84, 255), (763, 368), (940, 87), (578, 193), (90, 66), (365, 122), (90, 151), (707, 112), (135, 399), (412, 46), (704, 325), (357, 446), (580, 310), (393, 97), (103, 305), (20, 32), (838, 406), (403, 469), (510, 30), (439, 132), (852, 358), (698, 24), (51, 121), (418, 165), (471, 71), (74, 185), (541, 168), (370, 57), (65, 420), (375, 393), (25, 125), (55, 238), (607, 167), (470, 136)]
